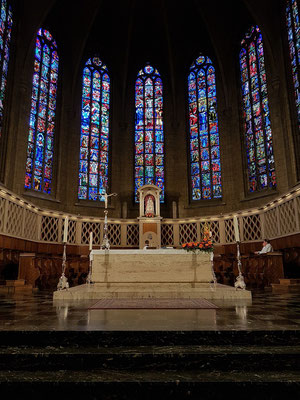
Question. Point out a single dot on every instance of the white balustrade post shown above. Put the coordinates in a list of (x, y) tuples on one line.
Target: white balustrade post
[(241, 228), (78, 232), (176, 234), (262, 225), (278, 233), (199, 235), (222, 231), (123, 234), (23, 222), (39, 227), (297, 213), (59, 229), (6, 203)]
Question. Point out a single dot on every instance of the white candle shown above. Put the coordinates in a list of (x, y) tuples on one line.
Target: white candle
[(91, 241), (236, 229), (66, 230)]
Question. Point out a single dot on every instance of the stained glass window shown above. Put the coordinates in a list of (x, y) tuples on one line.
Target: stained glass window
[(149, 133), (5, 36), (256, 115), (42, 115), (204, 132), (94, 138), (293, 27)]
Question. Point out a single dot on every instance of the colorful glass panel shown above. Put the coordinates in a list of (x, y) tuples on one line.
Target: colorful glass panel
[(204, 134), (293, 28), (5, 37), (256, 114), (42, 114), (94, 137), (149, 132)]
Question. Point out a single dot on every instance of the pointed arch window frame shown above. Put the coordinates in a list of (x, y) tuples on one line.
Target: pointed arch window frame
[(204, 137), (257, 132), (292, 41), (293, 33), (94, 157), (43, 116), (6, 18), (149, 143)]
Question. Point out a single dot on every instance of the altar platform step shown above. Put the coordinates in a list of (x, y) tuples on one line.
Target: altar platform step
[(136, 290), (142, 358), (109, 385), (165, 364)]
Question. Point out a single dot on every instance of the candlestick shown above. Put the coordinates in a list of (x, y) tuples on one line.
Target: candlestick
[(91, 241), (63, 280), (236, 229), (89, 277), (214, 278), (65, 239), (239, 283)]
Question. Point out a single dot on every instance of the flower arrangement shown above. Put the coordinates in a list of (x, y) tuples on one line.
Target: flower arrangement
[(205, 245), (149, 215)]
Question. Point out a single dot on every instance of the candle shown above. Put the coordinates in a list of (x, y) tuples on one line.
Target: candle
[(236, 229), (91, 241), (66, 230)]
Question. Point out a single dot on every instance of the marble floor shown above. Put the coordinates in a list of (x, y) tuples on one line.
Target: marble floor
[(37, 312)]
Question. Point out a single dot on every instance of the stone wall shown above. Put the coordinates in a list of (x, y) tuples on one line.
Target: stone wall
[(178, 36)]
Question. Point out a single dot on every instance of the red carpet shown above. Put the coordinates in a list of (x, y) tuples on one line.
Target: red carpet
[(152, 304)]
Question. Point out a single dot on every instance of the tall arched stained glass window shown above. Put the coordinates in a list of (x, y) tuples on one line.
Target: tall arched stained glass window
[(149, 133), (94, 138), (204, 132), (256, 115), (293, 27), (5, 36), (42, 115)]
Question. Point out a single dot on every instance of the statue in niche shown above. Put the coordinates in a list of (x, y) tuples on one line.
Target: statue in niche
[(149, 206)]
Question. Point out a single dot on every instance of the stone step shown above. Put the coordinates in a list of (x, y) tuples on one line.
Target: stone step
[(176, 358), (9, 289), (108, 385), (152, 289), (289, 281), (80, 339), (146, 364), (283, 288), (17, 282)]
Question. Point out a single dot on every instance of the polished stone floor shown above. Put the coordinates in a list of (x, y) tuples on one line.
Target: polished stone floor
[(38, 311)]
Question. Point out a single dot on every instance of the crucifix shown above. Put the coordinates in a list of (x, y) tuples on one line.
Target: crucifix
[(105, 242)]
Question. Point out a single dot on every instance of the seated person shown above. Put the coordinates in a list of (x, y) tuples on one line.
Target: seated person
[(267, 247)]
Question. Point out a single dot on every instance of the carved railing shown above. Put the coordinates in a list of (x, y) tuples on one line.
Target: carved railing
[(21, 219)]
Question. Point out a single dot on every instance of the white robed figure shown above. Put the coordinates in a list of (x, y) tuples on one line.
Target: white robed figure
[(149, 205)]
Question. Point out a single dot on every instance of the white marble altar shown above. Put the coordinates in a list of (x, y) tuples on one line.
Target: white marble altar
[(161, 273)]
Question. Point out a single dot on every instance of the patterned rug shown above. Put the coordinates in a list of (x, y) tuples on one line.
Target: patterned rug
[(152, 304)]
